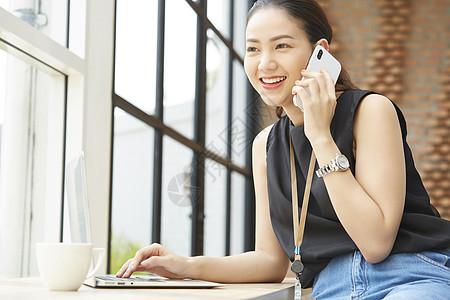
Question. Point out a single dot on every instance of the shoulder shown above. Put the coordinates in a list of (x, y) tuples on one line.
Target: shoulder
[(260, 141), (375, 107), (259, 145), (375, 112)]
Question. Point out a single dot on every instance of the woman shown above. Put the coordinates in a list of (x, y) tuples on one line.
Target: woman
[(371, 232)]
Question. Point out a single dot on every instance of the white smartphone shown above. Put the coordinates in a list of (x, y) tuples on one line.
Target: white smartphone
[(319, 59)]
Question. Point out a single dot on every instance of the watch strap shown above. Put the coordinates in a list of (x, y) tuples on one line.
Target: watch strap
[(332, 166)]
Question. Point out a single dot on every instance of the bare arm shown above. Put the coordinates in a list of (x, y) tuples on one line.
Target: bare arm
[(370, 204), (268, 263)]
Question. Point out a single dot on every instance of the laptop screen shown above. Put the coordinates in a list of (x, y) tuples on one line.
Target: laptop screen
[(80, 230)]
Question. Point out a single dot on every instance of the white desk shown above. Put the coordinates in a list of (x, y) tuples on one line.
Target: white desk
[(33, 288)]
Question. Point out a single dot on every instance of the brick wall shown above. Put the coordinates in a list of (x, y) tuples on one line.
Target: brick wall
[(401, 48)]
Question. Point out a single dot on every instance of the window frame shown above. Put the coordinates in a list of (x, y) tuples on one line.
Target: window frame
[(88, 117), (197, 144)]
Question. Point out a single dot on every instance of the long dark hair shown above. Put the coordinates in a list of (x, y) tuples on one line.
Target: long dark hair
[(312, 19)]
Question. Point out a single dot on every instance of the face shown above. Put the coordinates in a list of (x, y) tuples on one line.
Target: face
[(276, 51)]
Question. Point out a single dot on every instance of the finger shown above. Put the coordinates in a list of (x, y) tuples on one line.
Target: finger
[(133, 265), (296, 89), (307, 73), (304, 96), (141, 255), (123, 268), (313, 88), (319, 80), (329, 83)]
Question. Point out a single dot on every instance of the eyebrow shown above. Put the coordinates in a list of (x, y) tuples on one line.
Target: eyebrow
[(273, 39)]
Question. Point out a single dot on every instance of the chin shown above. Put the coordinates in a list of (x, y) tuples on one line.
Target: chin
[(271, 101)]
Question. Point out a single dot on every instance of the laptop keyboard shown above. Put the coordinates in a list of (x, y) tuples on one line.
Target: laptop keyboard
[(132, 278)]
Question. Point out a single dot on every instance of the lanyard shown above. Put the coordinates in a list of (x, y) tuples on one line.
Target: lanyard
[(299, 227)]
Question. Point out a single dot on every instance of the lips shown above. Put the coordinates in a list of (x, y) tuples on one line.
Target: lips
[(272, 82)]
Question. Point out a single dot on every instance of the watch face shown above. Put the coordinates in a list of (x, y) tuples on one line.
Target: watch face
[(342, 162)]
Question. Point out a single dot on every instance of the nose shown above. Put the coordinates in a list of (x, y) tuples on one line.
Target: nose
[(267, 62)]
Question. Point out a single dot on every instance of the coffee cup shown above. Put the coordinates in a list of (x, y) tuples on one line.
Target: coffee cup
[(63, 266)]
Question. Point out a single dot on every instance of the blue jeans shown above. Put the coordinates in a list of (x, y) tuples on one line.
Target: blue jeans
[(424, 275)]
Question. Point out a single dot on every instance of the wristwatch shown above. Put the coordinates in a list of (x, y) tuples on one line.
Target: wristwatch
[(338, 163)]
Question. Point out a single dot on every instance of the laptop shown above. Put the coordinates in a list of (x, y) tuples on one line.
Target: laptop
[(80, 231)]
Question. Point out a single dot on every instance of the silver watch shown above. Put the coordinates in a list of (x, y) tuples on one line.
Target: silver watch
[(338, 163)]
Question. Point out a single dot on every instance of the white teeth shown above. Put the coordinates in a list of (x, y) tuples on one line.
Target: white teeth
[(273, 80)]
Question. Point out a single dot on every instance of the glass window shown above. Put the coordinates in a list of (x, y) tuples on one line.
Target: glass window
[(135, 66), (219, 15), (237, 213), (215, 208), (177, 196), (132, 188), (180, 66), (135, 82), (32, 110), (241, 114), (216, 95), (240, 19), (48, 16)]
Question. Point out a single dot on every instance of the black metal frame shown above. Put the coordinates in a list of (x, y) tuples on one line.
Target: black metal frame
[(66, 90), (197, 144), (159, 112)]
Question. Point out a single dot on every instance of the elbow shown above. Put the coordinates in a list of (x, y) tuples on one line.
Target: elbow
[(374, 259), (275, 275), (276, 271), (278, 278), (377, 253)]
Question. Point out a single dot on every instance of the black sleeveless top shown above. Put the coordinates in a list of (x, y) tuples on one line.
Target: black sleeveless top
[(421, 227)]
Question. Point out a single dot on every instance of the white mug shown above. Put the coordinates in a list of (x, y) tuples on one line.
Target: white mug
[(63, 266)]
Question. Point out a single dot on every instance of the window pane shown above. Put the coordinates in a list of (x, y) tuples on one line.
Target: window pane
[(237, 213), (48, 16), (215, 208), (132, 188), (218, 14), (32, 106), (180, 64), (135, 67), (217, 88), (241, 114), (176, 197), (240, 19)]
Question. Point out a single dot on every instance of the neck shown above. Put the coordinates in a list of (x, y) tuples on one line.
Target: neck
[(294, 114)]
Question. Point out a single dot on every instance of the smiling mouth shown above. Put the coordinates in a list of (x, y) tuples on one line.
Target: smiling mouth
[(272, 80)]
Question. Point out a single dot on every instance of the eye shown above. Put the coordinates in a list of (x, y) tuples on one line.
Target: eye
[(282, 46), (252, 49)]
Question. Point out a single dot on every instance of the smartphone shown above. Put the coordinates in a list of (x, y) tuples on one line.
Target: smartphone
[(319, 59)]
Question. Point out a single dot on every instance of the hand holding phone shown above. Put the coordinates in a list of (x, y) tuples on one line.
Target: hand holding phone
[(319, 59)]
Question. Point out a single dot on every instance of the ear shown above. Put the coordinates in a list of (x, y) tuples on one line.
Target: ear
[(323, 43)]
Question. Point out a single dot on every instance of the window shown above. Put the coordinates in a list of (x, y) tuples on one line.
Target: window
[(184, 122), (44, 120)]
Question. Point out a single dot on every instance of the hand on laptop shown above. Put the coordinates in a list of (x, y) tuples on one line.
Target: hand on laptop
[(157, 260)]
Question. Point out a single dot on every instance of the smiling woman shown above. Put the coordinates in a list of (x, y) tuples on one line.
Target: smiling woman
[(275, 50), (368, 208)]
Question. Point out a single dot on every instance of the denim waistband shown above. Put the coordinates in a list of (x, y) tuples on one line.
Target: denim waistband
[(424, 275)]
